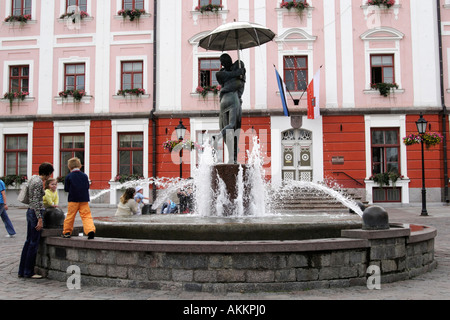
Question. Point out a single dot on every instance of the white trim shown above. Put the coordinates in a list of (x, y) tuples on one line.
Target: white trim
[(197, 14), (91, 43), (170, 57), (302, 36), (425, 54), (46, 55), (371, 36), (198, 124), (386, 121), (261, 70), (102, 57), (120, 59), (348, 79), (8, 63), (329, 34), (127, 125), (62, 7), (119, 5), (146, 40), (196, 56), (8, 8), (60, 127), (87, 65), (13, 128), (277, 126)]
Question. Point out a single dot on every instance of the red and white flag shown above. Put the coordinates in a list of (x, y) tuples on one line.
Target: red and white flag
[(313, 91)]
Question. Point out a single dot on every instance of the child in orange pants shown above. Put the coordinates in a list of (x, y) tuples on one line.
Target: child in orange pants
[(77, 185)]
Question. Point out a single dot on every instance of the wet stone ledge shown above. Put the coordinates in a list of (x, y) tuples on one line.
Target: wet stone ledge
[(241, 266)]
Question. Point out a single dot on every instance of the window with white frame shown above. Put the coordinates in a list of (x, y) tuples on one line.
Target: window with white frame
[(382, 64), (21, 7), (208, 67), (16, 154)]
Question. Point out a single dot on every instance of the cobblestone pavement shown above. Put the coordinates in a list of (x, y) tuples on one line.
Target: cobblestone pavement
[(430, 286)]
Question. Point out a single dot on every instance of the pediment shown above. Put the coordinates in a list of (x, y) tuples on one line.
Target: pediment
[(295, 35), (383, 33)]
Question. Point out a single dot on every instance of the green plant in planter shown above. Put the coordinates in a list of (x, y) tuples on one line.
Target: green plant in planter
[(127, 177), (76, 94), (11, 96), (209, 8), (133, 92), (23, 18), (298, 5), (14, 180), (384, 178), (132, 14), (203, 91), (384, 88), (387, 3)]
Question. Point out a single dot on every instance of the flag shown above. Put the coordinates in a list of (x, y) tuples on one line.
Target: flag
[(282, 88), (313, 92)]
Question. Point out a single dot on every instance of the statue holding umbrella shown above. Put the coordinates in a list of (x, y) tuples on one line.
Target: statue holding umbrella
[(233, 36)]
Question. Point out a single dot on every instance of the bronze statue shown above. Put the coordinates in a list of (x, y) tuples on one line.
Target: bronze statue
[(232, 80)]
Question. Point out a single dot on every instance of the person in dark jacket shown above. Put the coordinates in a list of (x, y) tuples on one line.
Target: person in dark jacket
[(77, 185)]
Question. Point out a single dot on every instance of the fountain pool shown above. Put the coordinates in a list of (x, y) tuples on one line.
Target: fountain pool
[(253, 248)]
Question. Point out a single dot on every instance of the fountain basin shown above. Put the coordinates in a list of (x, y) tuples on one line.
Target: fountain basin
[(188, 227), (400, 252)]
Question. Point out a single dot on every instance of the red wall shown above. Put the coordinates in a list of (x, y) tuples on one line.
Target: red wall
[(168, 164), (42, 144), (100, 161), (433, 156), (344, 136)]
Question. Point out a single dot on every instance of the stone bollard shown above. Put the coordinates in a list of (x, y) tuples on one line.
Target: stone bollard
[(375, 218)]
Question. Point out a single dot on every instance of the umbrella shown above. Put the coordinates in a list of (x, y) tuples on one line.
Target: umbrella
[(236, 36)]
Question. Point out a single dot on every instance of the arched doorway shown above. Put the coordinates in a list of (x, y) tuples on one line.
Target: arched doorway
[(297, 152)]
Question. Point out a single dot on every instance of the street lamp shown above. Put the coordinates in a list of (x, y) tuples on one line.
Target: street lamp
[(422, 128), (181, 130)]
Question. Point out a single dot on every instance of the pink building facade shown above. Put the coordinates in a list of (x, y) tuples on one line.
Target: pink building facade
[(111, 89)]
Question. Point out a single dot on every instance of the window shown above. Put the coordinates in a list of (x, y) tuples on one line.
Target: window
[(131, 153), (385, 151), (81, 4), (207, 72), (19, 78), (296, 73), (16, 155), (386, 194), (74, 76), (72, 145), (382, 68), (132, 75), (206, 2), (21, 7), (133, 4)]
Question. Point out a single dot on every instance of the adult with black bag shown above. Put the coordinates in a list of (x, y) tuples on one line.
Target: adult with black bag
[(34, 221)]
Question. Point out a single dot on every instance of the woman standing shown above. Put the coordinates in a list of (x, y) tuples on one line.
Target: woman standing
[(34, 221)]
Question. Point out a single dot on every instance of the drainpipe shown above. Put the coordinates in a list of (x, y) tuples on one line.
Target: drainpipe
[(444, 108), (152, 114)]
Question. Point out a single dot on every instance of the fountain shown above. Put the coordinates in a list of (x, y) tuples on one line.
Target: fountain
[(233, 202), (237, 241)]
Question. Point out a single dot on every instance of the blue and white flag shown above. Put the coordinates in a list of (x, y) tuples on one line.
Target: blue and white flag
[(282, 88)]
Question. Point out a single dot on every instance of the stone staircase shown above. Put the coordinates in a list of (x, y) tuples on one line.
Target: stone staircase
[(303, 200)]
